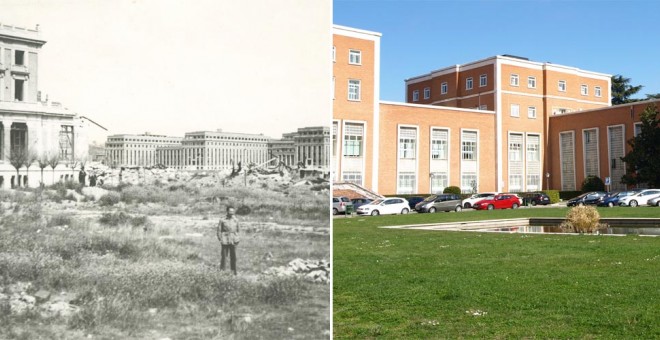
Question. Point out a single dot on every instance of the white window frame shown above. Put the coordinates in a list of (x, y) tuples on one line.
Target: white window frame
[(561, 86), (443, 177), (538, 151), (531, 82), (518, 152), (359, 139), (635, 125), (415, 96), (514, 80), (531, 112), (427, 92), (483, 80), (352, 174), (412, 176), (598, 91), (515, 110), (446, 146), (403, 152), (444, 87), (354, 54), (358, 86), (469, 83), (584, 151), (584, 90), (475, 151)]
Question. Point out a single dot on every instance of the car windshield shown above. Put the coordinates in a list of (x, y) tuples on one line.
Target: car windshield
[(376, 202), (430, 198)]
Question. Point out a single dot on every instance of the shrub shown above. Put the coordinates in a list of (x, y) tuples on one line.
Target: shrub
[(111, 198), (582, 219), (115, 219), (60, 220), (553, 194), (593, 183), (452, 190)]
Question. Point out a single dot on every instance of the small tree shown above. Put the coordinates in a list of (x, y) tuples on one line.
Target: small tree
[(642, 161), (17, 157), (53, 161), (452, 190), (30, 158), (593, 183), (622, 90)]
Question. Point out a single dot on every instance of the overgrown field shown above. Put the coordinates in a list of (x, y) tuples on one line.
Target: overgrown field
[(391, 283), (143, 262)]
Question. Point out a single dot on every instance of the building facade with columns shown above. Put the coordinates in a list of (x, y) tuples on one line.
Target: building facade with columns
[(30, 126)]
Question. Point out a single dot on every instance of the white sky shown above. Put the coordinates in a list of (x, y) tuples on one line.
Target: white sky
[(174, 66)]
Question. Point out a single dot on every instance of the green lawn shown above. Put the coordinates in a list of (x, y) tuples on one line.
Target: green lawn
[(435, 284)]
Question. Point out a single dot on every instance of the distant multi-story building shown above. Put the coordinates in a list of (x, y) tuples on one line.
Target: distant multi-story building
[(136, 150), (284, 150), (503, 123), (29, 123)]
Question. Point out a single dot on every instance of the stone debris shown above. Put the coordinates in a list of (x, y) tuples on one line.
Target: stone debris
[(240, 322), (73, 194), (95, 192), (311, 270), (48, 306), (42, 295)]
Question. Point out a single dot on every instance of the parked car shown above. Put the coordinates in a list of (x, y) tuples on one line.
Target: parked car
[(536, 198), (412, 201), (613, 199), (442, 202), (654, 202), (339, 204), (470, 201), (358, 202), (501, 201), (390, 205), (640, 198), (589, 198)]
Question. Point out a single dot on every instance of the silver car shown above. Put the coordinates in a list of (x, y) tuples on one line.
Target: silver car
[(654, 202), (443, 202)]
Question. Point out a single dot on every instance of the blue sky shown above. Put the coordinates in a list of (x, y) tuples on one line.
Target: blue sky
[(613, 37)]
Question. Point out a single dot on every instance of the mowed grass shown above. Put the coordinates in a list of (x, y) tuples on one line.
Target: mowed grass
[(158, 276), (391, 283)]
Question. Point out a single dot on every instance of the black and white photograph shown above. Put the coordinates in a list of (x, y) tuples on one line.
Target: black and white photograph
[(165, 169)]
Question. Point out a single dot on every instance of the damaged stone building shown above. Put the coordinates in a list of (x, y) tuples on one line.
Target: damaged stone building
[(31, 127)]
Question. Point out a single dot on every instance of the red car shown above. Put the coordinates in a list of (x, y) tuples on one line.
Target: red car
[(502, 201)]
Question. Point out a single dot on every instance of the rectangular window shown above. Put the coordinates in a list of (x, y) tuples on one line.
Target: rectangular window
[(353, 89), (443, 88), (66, 142), (353, 134), (561, 86), (469, 183), (406, 183), (439, 140), (352, 177), (533, 148), (19, 57), (597, 91), (531, 82), (638, 129), (531, 112), (407, 142), (533, 182), (427, 92), (566, 142), (469, 145), (468, 83), (335, 127), (591, 158), (515, 182), (439, 181), (515, 110), (514, 80), (483, 80), (354, 57), (584, 90), (515, 147), (18, 137), (416, 95), (18, 89)]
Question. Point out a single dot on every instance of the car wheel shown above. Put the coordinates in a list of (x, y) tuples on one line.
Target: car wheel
[(633, 203), (375, 213), (432, 210), (458, 208), (335, 211), (404, 211), (610, 204), (533, 203), (514, 206), (467, 205), (491, 207)]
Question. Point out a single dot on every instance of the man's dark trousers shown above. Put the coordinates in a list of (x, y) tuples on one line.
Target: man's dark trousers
[(228, 250)]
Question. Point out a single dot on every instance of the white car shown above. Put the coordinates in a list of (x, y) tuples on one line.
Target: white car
[(470, 201), (640, 198), (390, 205)]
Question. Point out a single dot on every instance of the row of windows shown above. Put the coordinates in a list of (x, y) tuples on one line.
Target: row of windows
[(19, 57), (354, 56), (561, 85), (515, 111)]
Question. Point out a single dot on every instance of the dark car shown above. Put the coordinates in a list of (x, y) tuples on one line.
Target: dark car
[(589, 198), (412, 201), (442, 202), (358, 202), (612, 199), (536, 198)]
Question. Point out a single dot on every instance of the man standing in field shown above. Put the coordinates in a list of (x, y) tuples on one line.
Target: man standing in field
[(228, 236)]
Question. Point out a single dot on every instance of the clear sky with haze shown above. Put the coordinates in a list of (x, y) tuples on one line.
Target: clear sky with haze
[(612, 37)]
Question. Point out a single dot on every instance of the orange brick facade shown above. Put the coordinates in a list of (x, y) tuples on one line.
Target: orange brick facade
[(513, 107)]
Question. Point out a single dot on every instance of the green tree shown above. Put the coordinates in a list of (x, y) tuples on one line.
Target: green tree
[(622, 90), (650, 96), (642, 161)]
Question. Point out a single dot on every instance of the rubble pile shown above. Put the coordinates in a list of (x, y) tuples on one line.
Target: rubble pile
[(314, 271), (19, 302)]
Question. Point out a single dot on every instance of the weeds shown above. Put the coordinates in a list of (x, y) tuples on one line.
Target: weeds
[(582, 219), (109, 199)]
